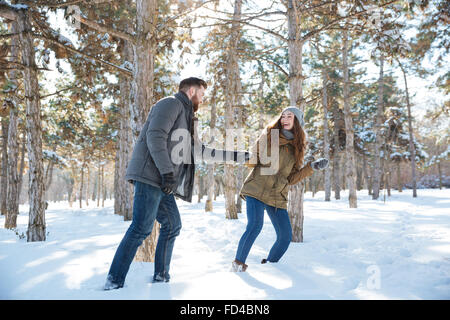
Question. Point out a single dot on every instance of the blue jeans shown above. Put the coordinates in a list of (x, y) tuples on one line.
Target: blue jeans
[(255, 220), (150, 203)]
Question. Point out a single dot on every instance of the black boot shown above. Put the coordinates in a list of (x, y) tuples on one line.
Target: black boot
[(161, 277), (263, 261), (111, 285)]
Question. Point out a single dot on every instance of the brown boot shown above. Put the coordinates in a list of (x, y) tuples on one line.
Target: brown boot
[(237, 266)]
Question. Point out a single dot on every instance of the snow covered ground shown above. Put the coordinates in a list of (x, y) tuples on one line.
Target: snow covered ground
[(398, 249)]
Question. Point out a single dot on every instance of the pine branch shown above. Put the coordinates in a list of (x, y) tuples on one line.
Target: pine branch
[(105, 29), (123, 71), (9, 35), (58, 4), (329, 25), (57, 92), (226, 21)]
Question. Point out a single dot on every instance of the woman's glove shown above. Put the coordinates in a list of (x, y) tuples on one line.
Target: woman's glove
[(319, 164)]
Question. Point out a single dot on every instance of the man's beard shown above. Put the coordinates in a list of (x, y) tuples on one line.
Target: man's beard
[(195, 103)]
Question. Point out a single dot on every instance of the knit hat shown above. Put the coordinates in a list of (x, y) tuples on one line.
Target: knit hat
[(298, 114)]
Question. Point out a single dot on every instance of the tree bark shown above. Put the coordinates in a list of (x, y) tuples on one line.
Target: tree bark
[(4, 180), (376, 180), (88, 180), (366, 174), (210, 181), (81, 186), (22, 163), (412, 149), (124, 192), (233, 90), (295, 50), (349, 132), (141, 92), (99, 183), (103, 186), (336, 156), (36, 223), (125, 189), (326, 140), (12, 194)]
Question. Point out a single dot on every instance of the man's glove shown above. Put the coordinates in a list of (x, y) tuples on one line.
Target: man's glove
[(319, 164), (246, 156), (168, 183)]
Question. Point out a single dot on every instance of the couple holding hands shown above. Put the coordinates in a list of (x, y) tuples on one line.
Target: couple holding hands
[(158, 177)]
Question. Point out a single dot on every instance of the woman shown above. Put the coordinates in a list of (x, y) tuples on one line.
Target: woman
[(270, 192)]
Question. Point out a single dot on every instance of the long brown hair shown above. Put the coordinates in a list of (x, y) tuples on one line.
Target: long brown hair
[(299, 142)]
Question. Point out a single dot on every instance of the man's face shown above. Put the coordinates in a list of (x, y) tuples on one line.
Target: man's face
[(197, 97)]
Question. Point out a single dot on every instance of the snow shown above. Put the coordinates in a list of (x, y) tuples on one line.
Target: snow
[(19, 6), (398, 249)]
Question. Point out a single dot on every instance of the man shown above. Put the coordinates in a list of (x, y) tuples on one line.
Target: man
[(158, 174)]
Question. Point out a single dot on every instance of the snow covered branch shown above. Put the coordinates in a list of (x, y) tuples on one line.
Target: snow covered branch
[(105, 29), (125, 72), (7, 11)]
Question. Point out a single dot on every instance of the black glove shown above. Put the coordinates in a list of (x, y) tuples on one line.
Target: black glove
[(320, 164), (168, 183), (246, 156)]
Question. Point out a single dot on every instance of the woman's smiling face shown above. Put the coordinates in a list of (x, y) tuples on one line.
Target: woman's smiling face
[(287, 120)]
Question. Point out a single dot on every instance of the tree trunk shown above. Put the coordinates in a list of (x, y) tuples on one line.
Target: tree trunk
[(412, 149), (233, 90), (200, 188), (387, 170), (4, 179), (359, 175), (22, 163), (326, 140), (12, 194), (13, 176), (36, 223), (210, 181), (376, 180), (116, 175), (49, 175), (103, 186), (399, 179), (295, 50), (366, 174), (88, 178), (73, 194), (124, 192), (439, 173), (99, 175), (336, 156), (141, 91), (349, 133), (81, 186)]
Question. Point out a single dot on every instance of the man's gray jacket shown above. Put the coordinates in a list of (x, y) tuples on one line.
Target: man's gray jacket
[(166, 144)]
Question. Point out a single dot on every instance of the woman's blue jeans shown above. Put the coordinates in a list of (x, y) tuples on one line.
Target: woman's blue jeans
[(255, 220), (150, 203)]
